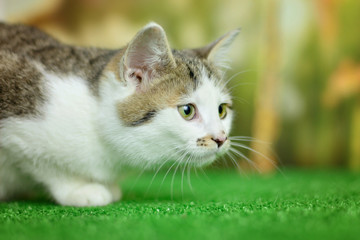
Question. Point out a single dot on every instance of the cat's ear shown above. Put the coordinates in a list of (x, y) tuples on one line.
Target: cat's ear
[(146, 55), (216, 51)]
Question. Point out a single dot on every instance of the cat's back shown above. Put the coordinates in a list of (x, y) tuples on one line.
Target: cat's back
[(29, 56), (22, 39), (52, 55), (21, 82), (21, 86)]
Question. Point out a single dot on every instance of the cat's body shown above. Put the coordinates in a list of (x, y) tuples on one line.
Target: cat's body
[(70, 117)]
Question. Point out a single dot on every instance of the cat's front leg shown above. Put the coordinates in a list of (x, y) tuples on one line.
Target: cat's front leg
[(74, 192)]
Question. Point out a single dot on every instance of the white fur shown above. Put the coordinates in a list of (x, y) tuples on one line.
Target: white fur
[(76, 148), (62, 149)]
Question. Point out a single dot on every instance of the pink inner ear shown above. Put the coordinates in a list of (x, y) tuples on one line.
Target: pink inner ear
[(137, 76)]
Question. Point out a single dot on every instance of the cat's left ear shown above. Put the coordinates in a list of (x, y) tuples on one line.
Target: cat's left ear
[(217, 50), (146, 55)]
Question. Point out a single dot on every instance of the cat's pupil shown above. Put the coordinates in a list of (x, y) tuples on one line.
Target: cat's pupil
[(220, 109), (187, 110)]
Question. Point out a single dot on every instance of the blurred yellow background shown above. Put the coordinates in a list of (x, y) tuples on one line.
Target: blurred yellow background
[(297, 88)]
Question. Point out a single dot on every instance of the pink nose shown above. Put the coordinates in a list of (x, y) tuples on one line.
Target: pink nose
[(219, 140)]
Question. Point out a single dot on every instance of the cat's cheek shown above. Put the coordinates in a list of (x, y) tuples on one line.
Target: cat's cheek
[(187, 131), (227, 123)]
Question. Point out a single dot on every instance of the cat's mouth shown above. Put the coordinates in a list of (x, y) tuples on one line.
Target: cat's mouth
[(207, 157), (200, 156)]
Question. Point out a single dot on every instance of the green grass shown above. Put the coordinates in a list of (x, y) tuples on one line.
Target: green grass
[(296, 205)]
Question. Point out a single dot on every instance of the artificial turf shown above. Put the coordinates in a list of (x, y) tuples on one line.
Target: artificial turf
[(224, 205)]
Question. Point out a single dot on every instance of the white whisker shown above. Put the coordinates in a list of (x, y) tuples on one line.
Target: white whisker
[(206, 176), (235, 75), (138, 177), (167, 172), (172, 180), (189, 178), (238, 84), (153, 178), (225, 161), (257, 152), (196, 173), (248, 139), (240, 154), (182, 176), (233, 160)]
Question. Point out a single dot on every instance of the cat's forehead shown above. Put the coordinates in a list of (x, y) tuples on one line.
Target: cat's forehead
[(195, 66), (191, 79), (209, 87)]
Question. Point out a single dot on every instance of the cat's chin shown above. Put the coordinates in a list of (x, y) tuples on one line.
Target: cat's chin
[(203, 162), (203, 159)]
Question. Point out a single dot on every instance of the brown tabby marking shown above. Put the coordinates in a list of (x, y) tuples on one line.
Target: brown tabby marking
[(21, 84)]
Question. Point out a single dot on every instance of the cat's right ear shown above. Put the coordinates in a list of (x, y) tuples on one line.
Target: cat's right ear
[(146, 55), (217, 50)]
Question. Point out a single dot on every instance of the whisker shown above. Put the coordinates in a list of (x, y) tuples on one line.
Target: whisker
[(167, 172), (239, 84), (196, 172), (223, 85), (248, 139), (138, 178), (239, 99), (233, 160), (224, 160), (202, 170), (257, 152), (182, 177), (237, 164), (244, 157), (177, 150), (153, 178), (242, 137), (189, 179), (172, 181), (235, 75)]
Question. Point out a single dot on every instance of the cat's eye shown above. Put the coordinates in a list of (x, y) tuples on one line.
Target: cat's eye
[(187, 111), (222, 110)]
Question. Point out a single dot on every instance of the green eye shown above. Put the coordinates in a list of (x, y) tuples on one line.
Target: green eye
[(187, 111), (222, 110)]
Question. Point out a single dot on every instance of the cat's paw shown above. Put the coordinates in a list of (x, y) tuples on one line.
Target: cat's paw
[(93, 194)]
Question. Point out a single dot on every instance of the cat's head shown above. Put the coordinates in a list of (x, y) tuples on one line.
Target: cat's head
[(164, 105)]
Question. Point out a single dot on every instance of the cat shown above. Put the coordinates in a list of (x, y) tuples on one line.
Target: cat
[(71, 117)]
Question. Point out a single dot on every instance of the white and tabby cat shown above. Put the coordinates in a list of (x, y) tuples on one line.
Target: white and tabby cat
[(70, 117)]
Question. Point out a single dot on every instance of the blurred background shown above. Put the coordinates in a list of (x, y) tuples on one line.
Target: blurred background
[(295, 65)]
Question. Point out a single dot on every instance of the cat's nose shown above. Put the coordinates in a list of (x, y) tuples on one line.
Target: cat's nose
[(219, 140)]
